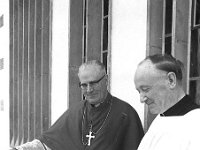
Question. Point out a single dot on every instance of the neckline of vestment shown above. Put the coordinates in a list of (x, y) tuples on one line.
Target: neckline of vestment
[(182, 107), (94, 118), (104, 105), (98, 115)]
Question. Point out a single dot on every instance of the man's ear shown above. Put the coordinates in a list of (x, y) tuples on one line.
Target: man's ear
[(171, 79)]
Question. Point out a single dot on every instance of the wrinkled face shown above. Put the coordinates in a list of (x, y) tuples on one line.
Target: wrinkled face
[(93, 84), (153, 87)]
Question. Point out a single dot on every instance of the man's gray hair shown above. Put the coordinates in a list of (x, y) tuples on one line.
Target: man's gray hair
[(96, 63)]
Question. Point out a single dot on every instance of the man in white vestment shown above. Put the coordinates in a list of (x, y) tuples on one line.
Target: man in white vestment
[(158, 79)]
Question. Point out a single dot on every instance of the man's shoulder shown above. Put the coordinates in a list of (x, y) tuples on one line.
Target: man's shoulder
[(119, 101), (123, 105)]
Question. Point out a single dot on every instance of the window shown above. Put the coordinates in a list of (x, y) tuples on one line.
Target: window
[(84, 30), (168, 11), (104, 55), (196, 13), (89, 39), (194, 87), (104, 41)]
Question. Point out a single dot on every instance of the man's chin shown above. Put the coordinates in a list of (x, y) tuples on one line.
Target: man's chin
[(92, 101)]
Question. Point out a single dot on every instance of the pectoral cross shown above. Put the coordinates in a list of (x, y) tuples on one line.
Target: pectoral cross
[(90, 136)]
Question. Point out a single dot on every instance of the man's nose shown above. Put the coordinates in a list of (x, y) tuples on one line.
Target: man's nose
[(89, 88), (143, 98)]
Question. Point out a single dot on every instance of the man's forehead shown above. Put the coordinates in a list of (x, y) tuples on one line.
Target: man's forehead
[(147, 71), (146, 65), (90, 72), (145, 68), (90, 69)]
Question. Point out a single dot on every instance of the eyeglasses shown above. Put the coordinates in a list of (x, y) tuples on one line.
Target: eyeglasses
[(91, 83)]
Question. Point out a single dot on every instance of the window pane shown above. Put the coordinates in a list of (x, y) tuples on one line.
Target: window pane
[(168, 44), (195, 53), (195, 90), (105, 59), (105, 34), (168, 17), (197, 12), (84, 30), (85, 12), (84, 44), (106, 7)]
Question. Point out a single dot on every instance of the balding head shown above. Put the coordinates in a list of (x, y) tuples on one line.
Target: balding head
[(166, 63)]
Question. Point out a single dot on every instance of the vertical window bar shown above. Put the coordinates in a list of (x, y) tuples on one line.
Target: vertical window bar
[(163, 30), (20, 70), (16, 120), (105, 34), (25, 72), (105, 19), (11, 71), (109, 49), (84, 55), (84, 31), (102, 31)]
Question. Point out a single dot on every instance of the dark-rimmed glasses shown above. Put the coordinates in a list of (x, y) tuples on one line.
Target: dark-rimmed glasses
[(91, 83)]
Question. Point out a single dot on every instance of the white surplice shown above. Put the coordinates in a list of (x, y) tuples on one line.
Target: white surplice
[(173, 133)]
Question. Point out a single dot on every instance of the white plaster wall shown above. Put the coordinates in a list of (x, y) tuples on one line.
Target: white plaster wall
[(4, 76), (60, 58), (128, 46)]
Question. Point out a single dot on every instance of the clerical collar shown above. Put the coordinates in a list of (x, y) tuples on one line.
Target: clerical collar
[(105, 100), (185, 105), (102, 105), (93, 105)]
